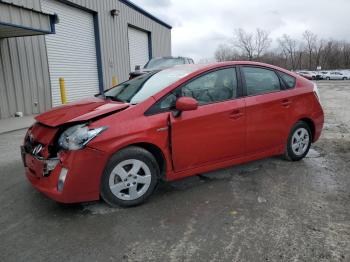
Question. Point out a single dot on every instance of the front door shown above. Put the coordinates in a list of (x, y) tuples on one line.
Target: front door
[(215, 131)]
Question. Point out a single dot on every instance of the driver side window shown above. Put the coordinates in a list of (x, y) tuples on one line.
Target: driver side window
[(216, 86), (213, 87)]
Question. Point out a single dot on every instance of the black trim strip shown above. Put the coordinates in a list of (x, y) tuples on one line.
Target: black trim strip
[(98, 53)]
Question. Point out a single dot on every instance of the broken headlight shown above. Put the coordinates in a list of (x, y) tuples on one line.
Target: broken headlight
[(76, 137)]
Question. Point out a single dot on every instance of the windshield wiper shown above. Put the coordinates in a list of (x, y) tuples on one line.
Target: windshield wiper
[(113, 98)]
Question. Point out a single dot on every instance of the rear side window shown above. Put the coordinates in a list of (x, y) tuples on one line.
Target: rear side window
[(288, 80), (260, 80)]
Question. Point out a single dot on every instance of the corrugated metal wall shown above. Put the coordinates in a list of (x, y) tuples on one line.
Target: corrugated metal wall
[(24, 79), (24, 76)]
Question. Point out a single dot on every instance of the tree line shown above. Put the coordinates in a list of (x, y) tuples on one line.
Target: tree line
[(309, 52)]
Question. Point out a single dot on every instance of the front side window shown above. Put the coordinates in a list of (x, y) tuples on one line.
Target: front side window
[(260, 80), (213, 87)]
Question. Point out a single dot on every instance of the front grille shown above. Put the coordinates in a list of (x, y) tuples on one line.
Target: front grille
[(40, 141), (32, 147)]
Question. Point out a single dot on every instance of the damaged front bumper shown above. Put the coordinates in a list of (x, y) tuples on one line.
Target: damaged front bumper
[(38, 164), (81, 169)]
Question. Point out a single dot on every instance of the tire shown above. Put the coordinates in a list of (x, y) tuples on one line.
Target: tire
[(345, 78), (130, 177), (328, 78), (299, 142)]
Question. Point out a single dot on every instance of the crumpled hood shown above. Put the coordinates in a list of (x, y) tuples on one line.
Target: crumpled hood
[(82, 110)]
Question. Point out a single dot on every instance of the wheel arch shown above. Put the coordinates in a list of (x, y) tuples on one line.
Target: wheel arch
[(311, 125), (155, 150)]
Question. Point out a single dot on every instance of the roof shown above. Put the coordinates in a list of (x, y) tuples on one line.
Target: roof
[(144, 12), (204, 67)]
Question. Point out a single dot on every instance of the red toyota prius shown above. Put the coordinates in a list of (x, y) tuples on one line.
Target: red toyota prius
[(168, 125)]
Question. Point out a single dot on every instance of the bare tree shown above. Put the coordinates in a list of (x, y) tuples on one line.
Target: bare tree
[(252, 45), (262, 42), (318, 51), (289, 49), (224, 53), (307, 52), (245, 42), (310, 41)]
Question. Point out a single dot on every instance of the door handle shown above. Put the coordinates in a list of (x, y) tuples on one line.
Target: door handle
[(286, 102), (235, 114)]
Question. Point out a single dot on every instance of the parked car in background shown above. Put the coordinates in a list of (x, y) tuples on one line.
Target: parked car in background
[(167, 125), (318, 75), (307, 74), (321, 75), (335, 75), (160, 63)]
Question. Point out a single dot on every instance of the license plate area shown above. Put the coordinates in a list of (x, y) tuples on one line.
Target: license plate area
[(35, 165)]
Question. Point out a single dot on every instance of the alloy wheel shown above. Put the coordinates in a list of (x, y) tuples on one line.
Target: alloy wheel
[(130, 179), (300, 141)]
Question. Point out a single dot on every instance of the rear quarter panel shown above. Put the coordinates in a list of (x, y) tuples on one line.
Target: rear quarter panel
[(306, 105)]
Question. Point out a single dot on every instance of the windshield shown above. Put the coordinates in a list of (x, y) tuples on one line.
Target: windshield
[(158, 63), (140, 88)]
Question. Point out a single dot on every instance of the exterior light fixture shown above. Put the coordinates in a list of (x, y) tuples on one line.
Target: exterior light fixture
[(115, 12)]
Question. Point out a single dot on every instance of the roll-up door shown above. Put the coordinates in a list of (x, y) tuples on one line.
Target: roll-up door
[(71, 52), (138, 47)]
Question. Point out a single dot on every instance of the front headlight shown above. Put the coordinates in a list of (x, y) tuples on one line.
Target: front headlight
[(76, 137)]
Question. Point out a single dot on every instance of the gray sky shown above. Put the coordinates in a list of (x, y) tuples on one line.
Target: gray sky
[(200, 25)]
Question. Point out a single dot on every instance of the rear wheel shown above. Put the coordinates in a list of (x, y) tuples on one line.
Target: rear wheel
[(299, 142), (130, 177), (345, 78), (328, 78)]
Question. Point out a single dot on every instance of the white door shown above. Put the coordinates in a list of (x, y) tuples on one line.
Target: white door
[(71, 52), (138, 47)]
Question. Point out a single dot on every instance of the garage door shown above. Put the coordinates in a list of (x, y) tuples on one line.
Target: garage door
[(71, 52), (138, 47)]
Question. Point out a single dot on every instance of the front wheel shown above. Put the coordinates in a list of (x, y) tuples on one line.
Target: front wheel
[(299, 142), (130, 177)]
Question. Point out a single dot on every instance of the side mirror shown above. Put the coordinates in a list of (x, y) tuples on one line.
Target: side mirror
[(186, 104), (137, 68)]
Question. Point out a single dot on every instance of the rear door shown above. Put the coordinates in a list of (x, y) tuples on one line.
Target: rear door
[(216, 130), (267, 109)]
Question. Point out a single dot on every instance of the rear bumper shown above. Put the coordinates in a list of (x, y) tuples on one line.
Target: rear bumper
[(82, 182)]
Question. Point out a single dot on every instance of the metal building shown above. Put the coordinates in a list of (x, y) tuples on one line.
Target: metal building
[(89, 43)]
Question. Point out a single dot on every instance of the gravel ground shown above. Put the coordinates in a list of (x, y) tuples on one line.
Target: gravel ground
[(267, 210)]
